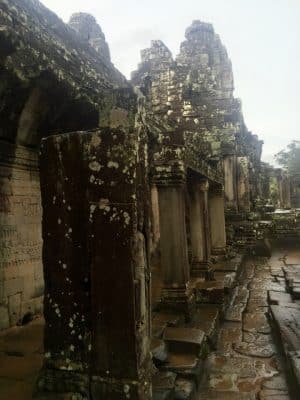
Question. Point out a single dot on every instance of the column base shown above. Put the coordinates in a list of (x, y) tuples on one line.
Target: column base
[(178, 299), (61, 385), (202, 269), (218, 251), (68, 385), (117, 389)]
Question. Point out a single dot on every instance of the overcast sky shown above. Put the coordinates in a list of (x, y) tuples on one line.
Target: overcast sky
[(262, 38)]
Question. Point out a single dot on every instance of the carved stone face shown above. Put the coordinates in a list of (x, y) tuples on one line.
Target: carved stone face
[(88, 29)]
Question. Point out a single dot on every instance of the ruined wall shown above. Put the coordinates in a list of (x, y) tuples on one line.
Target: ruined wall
[(194, 94), (295, 191), (21, 277), (95, 255), (53, 79)]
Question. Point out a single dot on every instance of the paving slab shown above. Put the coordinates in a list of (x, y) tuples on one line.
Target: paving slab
[(234, 313), (294, 359), (225, 395), (256, 322), (266, 394), (288, 323), (275, 383), (276, 298), (229, 334), (260, 350)]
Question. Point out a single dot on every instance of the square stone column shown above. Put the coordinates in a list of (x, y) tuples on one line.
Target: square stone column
[(199, 229), (217, 220), (173, 246), (243, 186), (230, 182), (206, 269), (97, 298)]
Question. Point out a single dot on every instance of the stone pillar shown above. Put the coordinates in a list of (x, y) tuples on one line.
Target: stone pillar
[(198, 229), (173, 246), (286, 192), (97, 300), (243, 186), (230, 182), (155, 233), (217, 220), (206, 265)]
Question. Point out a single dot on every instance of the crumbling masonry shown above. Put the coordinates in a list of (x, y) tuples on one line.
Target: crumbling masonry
[(122, 213)]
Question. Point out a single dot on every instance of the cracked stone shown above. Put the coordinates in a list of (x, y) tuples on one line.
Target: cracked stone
[(256, 322), (255, 350)]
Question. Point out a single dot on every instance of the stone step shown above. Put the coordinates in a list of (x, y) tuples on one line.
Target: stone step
[(296, 292), (163, 394), (184, 389), (212, 292), (163, 384), (184, 365), (294, 361), (207, 319), (227, 266), (278, 298), (159, 351), (160, 320), (287, 321), (185, 340)]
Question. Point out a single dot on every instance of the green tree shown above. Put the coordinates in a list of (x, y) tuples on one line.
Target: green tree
[(289, 158)]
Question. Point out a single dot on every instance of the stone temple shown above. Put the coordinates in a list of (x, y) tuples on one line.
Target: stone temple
[(142, 239)]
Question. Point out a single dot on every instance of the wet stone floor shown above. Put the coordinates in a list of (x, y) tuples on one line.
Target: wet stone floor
[(246, 364)]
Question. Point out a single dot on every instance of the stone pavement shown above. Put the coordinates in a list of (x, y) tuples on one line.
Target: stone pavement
[(246, 365)]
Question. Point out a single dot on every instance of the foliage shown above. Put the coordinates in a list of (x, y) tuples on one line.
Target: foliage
[(289, 158), (274, 191)]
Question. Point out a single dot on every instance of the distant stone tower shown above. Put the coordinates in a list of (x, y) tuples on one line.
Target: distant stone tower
[(86, 26)]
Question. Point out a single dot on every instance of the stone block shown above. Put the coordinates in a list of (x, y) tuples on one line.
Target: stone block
[(13, 286), (4, 317), (14, 308), (29, 290)]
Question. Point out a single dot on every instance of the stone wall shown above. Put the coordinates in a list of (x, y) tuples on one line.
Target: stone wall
[(21, 277), (54, 78)]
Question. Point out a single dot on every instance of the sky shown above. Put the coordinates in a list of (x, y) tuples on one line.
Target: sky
[(261, 36)]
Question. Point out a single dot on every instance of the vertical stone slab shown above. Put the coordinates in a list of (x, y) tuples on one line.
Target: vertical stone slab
[(66, 260), (155, 233), (217, 220), (197, 230), (120, 297), (96, 266), (173, 246), (286, 192), (230, 182), (243, 186), (206, 270), (21, 277)]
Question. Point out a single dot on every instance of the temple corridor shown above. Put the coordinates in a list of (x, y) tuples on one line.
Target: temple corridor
[(247, 363)]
